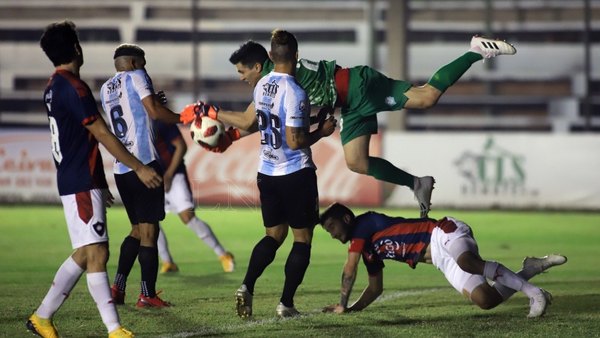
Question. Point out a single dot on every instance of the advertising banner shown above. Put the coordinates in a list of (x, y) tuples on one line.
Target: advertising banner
[(28, 174), (500, 170)]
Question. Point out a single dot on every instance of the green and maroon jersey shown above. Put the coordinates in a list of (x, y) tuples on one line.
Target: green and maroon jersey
[(317, 79)]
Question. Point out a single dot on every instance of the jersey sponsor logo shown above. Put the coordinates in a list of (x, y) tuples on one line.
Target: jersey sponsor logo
[(112, 87), (302, 107), (268, 154), (99, 228), (390, 101), (266, 104), (390, 248), (270, 89)]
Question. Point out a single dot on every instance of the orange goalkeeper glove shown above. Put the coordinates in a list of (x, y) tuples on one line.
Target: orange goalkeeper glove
[(198, 109), (230, 135)]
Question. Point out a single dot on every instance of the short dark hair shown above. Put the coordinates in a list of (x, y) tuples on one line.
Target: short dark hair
[(128, 49), (284, 46), (60, 42), (249, 54), (336, 211)]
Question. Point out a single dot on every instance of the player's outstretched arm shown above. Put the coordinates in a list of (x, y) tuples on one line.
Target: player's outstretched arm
[(348, 278), (101, 132), (370, 293)]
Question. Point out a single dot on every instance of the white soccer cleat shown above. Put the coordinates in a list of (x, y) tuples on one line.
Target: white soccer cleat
[(422, 190), (538, 303), (489, 48), (284, 311), (243, 302), (535, 265)]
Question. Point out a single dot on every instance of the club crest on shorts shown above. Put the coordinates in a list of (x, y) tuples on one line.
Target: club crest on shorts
[(99, 228)]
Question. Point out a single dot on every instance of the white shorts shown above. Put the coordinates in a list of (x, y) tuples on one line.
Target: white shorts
[(85, 213), (441, 258), (179, 198)]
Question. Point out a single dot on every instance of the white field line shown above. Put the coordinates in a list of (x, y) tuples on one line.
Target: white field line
[(244, 324)]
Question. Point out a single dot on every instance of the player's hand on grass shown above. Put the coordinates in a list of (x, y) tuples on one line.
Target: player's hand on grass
[(335, 308), (148, 176), (198, 109)]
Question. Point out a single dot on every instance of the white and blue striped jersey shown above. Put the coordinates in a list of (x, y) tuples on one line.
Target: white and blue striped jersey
[(280, 101), (121, 98)]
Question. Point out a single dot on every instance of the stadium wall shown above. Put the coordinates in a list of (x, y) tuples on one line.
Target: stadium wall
[(473, 170)]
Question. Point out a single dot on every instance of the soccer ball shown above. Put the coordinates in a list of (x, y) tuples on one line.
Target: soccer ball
[(206, 130)]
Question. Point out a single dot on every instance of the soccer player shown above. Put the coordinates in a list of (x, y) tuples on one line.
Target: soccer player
[(76, 127), (362, 92), (129, 101), (178, 197), (286, 174), (448, 244)]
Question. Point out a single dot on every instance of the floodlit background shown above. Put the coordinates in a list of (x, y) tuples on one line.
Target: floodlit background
[(514, 132)]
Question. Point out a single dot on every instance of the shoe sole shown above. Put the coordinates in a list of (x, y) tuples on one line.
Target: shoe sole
[(556, 261), (424, 208), (243, 311), (31, 327)]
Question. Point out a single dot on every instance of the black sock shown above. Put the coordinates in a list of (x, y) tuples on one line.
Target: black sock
[(262, 255), (295, 268), (148, 259), (129, 252)]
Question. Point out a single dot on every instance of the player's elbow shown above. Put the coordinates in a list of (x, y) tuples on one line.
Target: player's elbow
[(248, 124)]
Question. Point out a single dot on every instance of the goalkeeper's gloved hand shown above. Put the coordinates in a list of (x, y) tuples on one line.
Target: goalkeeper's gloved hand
[(230, 135), (162, 97), (198, 109)]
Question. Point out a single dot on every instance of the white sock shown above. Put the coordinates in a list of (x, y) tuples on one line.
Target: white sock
[(99, 288), (65, 279), (204, 232), (504, 276), (163, 247), (507, 292)]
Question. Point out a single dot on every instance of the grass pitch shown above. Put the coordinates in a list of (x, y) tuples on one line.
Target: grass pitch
[(420, 303)]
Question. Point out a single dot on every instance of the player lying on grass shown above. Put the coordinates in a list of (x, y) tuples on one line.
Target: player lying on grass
[(448, 244)]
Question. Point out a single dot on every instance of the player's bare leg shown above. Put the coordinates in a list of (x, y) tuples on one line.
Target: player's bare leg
[(356, 154)]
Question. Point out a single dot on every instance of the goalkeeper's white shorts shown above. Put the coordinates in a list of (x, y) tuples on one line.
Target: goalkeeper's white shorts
[(179, 198)]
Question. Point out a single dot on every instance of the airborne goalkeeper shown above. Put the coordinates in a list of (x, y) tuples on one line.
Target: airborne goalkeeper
[(361, 92)]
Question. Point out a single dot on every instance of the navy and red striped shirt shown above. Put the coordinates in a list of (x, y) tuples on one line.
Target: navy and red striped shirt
[(377, 237), (71, 106)]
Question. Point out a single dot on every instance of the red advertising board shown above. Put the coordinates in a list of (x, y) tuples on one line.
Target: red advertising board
[(27, 173)]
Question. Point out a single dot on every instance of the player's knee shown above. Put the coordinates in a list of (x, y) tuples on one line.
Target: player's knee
[(358, 166), (430, 100), (485, 297), (486, 304), (471, 263)]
